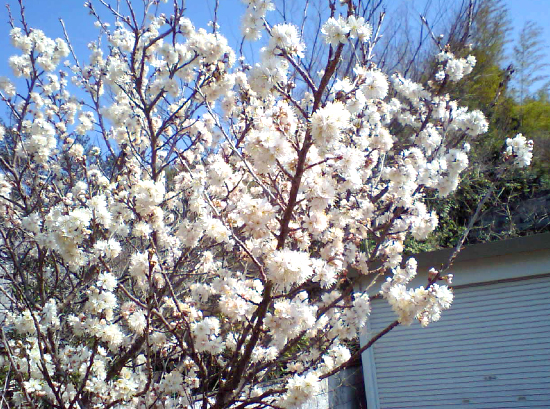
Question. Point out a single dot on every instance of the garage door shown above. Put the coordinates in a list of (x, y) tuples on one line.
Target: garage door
[(491, 350)]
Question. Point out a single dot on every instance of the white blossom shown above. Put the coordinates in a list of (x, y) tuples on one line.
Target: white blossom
[(176, 220), (520, 149)]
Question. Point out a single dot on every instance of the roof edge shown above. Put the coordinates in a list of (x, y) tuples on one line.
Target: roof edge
[(498, 248)]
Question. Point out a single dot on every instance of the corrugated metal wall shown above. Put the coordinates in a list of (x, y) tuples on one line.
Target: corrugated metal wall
[(491, 350)]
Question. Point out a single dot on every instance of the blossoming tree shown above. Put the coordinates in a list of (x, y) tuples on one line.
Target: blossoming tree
[(204, 254)]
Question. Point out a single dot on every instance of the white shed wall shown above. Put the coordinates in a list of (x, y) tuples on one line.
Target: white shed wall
[(490, 350)]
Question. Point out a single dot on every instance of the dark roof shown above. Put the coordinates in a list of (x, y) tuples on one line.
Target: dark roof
[(516, 245)]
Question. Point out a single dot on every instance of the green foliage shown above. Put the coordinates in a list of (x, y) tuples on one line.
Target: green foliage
[(533, 119), (517, 206)]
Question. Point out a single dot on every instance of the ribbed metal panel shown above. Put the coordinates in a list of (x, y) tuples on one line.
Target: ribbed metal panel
[(491, 350)]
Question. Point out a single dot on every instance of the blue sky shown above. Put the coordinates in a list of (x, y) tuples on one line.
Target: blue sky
[(538, 11), (45, 14)]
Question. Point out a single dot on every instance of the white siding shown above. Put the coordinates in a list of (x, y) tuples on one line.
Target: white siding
[(491, 350)]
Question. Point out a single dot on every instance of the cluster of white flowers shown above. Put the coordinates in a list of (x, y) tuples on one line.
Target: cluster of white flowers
[(290, 318), (215, 236), (326, 124), (252, 21), (301, 388), (454, 68), (337, 31), (520, 149), (285, 37), (422, 304), (46, 52), (287, 267)]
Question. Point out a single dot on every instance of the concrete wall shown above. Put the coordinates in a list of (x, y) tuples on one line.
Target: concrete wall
[(345, 390), (4, 301)]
